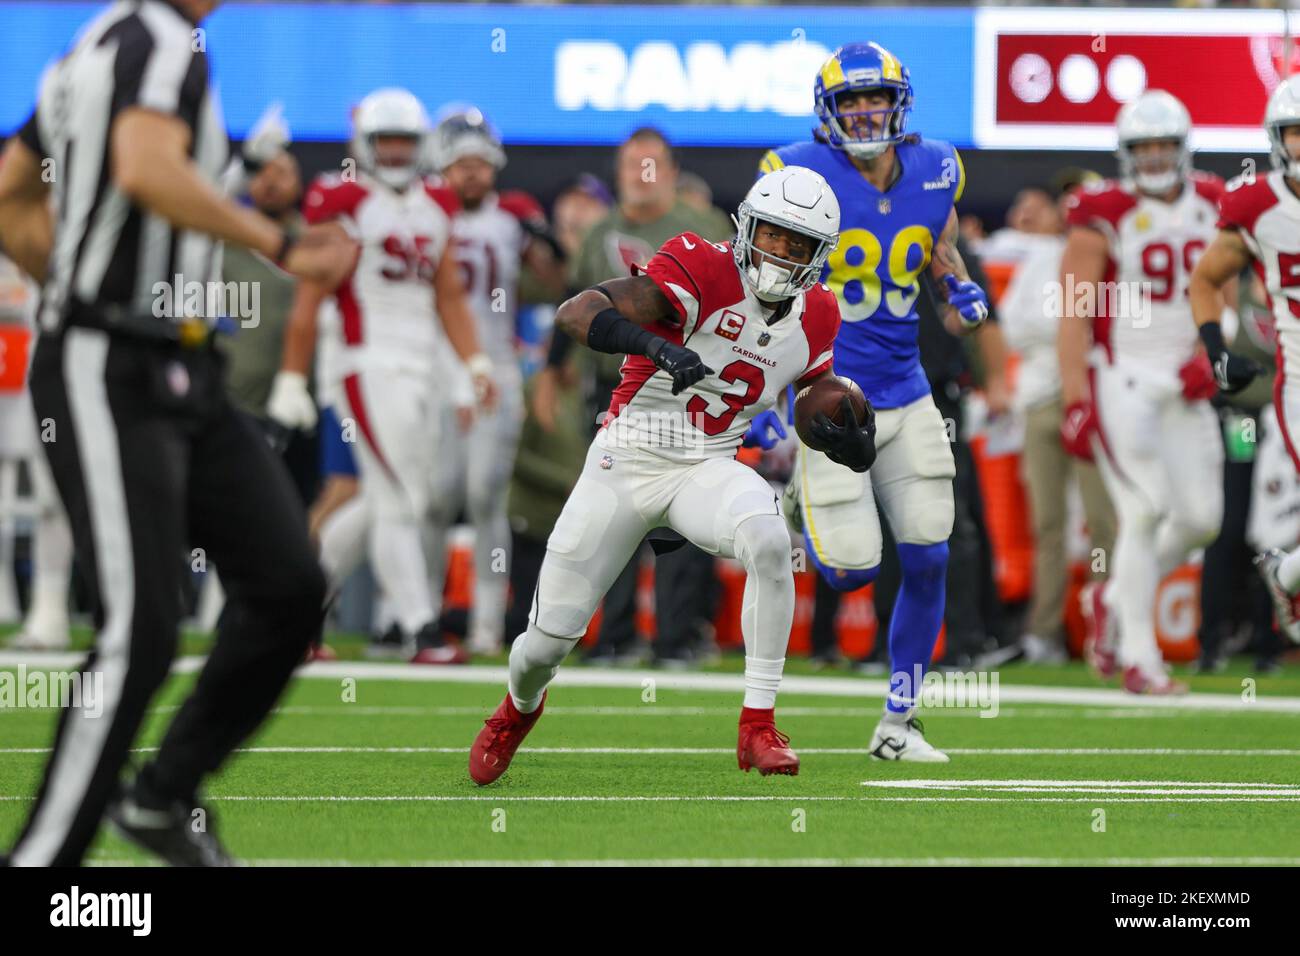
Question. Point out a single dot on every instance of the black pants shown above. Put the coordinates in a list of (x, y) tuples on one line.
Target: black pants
[(686, 596), (1232, 592), (526, 556), (158, 471)]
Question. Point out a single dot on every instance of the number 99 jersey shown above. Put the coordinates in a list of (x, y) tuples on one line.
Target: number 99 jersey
[(1141, 311), (885, 244)]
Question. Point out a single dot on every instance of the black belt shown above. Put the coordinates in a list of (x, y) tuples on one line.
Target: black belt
[(189, 333)]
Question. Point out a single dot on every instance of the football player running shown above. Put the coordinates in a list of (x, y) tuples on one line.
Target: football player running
[(405, 284), (897, 193), (1259, 225), (1134, 383), (712, 333), (494, 235)]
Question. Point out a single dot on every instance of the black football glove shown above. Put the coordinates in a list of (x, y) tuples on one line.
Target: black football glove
[(685, 366), (1232, 372), (852, 444)]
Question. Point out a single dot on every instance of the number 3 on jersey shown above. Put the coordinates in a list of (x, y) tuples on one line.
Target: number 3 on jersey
[(855, 282), (738, 371)]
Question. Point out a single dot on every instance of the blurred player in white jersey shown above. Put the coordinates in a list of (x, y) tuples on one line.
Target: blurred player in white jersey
[(712, 334), (494, 235), (1260, 225), (1136, 389), (45, 627), (404, 284)]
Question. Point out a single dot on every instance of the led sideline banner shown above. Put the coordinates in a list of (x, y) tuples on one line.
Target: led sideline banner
[(710, 76), (1054, 79)]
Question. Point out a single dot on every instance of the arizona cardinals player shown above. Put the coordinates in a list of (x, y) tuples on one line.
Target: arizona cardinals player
[(1259, 225), (1136, 394), (403, 286), (494, 236), (752, 310)]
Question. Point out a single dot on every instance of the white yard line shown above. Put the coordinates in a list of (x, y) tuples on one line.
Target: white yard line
[(1101, 796), (669, 680)]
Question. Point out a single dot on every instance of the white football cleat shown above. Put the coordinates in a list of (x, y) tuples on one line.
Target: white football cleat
[(1285, 607), (904, 741)]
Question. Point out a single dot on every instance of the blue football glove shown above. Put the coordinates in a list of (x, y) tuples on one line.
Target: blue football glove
[(764, 431), (968, 299)]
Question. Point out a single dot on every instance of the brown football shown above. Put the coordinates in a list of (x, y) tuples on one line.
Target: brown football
[(824, 395)]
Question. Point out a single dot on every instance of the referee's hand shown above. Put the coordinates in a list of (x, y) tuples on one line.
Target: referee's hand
[(323, 253)]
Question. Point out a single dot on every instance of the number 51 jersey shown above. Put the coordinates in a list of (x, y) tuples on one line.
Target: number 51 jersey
[(719, 318)]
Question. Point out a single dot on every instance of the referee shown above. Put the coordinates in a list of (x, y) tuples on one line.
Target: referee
[(150, 457)]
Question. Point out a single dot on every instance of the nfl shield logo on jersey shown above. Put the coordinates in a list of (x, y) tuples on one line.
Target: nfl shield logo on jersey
[(607, 462), (764, 338), (178, 379), (884, 206)]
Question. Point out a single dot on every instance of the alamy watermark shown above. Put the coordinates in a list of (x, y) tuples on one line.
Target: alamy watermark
[(208, 300), (1129, 302), (937, 689), (81, 690)]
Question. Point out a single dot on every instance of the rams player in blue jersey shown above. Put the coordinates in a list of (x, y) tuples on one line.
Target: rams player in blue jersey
[(896, 193)]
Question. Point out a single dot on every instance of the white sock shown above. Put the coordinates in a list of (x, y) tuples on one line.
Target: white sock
[(436, 539), (767, 611), (343, 540), (1134, 579), (397, 557), (51, 573), (534, 660), (762, 681)]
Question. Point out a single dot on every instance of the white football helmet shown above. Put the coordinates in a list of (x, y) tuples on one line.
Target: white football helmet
[(1283, 111), (464, 131), (1154, 115), (390, 112), (796, 198)]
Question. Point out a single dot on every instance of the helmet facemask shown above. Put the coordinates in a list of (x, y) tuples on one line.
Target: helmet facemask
[(396, 176), (867, 142), (775, 279), (1280, 156), (1156, 183)]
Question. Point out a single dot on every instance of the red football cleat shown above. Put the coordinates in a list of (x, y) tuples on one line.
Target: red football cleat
[(496, 743), (449, 653), (320, 652), (762, 746), (1162, 685)]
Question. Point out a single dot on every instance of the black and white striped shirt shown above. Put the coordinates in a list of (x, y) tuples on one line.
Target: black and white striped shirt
[(108, 251)]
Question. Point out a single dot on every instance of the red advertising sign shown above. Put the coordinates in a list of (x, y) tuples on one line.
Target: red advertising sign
[(1055, 79)]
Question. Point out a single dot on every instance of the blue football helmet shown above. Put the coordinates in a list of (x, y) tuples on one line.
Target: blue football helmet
[(862, 66)]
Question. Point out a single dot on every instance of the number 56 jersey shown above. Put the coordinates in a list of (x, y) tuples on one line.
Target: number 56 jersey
[(720, 319), (387, 304)]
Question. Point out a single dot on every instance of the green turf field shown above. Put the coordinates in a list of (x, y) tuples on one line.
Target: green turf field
[(610, 775)]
